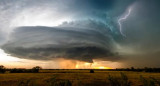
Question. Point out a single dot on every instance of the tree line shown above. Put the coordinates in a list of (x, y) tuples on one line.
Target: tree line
[(145, 69), (37, 69), (20, 70)]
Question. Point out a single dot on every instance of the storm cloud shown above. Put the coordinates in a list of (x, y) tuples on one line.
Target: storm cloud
[(73, 29), (81, 29), (45, 43)]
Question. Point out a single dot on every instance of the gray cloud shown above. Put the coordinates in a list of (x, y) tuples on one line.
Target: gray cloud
[(142, 27), (45, 43)]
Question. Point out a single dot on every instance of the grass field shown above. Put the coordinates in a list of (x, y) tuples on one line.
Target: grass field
[(80, 78)]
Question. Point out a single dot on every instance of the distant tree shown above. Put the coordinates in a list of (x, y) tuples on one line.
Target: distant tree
[(36, 69), (2, 69), (132, 68)]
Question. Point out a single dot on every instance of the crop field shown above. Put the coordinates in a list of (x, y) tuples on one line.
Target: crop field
[(80, 78)]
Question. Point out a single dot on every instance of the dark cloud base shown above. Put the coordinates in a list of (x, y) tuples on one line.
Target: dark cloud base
[(46, 43), (76, 53)]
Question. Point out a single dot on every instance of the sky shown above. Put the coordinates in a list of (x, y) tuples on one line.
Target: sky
[(79, 33)]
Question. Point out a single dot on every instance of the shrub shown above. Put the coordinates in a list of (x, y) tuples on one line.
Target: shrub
[(113, 81), (147, 82), (121, 81), (25, 82), (51, 81), (36, 69), (155, 80), (54, 82), (125, 81), (91, 71), (62, 83)]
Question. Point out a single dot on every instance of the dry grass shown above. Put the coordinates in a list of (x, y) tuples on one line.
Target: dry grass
[(74, 78)]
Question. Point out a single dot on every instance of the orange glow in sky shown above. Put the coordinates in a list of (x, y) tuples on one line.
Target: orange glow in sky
[(14, 62), (94, 65), (102, 67)]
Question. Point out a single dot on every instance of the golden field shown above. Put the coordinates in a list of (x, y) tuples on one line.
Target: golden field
[(77, 78)]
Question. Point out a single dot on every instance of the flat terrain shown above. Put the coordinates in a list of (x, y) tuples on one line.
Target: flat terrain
[(76, 78)]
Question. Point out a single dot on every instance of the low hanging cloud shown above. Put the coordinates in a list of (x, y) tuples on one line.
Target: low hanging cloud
[(46, 43)]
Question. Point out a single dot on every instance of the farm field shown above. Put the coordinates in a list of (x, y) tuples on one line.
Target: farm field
[(80, 78)]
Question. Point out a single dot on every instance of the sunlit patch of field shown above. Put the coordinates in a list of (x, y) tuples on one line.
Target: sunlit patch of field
[(75, 77)]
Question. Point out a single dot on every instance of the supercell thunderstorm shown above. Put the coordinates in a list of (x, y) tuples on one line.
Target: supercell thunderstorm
[(62, 30), (81, 30)]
